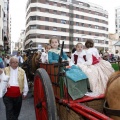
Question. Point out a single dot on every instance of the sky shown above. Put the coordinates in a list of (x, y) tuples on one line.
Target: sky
[(17, 14)]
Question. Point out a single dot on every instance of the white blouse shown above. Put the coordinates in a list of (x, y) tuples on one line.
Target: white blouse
[(80, 57), (44, 57), (89, 53)]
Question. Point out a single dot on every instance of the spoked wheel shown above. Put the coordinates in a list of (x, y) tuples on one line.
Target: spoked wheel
[(44, 100)]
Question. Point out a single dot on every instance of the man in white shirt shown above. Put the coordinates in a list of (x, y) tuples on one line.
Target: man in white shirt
[(17, 89), (20, 59)]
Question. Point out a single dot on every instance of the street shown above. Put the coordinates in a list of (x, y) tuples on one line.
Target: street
[(27, 111)]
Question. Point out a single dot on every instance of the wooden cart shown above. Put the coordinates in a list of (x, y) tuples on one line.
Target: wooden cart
[(52, 101)]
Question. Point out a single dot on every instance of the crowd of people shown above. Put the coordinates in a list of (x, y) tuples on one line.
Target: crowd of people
[(88, 62)]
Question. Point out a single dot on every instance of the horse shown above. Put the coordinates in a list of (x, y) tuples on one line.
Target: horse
[(35, 61), (112, 96)]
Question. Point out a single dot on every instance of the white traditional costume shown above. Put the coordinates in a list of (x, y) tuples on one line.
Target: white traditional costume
[(76, 79), (97, 70), (78, 57), (44, 57)]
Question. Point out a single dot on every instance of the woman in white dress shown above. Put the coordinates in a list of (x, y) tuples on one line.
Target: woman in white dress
[(97, 69), (79, 56)]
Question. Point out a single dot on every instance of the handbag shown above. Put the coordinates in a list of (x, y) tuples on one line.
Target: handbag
[(3, 84)]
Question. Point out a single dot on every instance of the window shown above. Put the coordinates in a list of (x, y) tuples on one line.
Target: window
[(54, 20), (33, 27), (55, 11), (32, 36), (46, 28), (89, 33), (97, 13), (63, 13), (33, 18), (54, 28), (82, 32), (62, 5), (77, 8), (77, 39), (38, 17), (38, 9), (90, 25), (96, 41), (77, 16), (82, 24), (38, 36), (71, 15), (55, 4), (63, 29), (46, 19), (33, 8), (96, 27), (97, 20), (77, 23), (63, 38), (63, 21), (71, 22), (96, 34), (33, 1), (89, 11), (77, 31), (46, 3), (82, 17), (71, 30), (46, 37), (47, 10)]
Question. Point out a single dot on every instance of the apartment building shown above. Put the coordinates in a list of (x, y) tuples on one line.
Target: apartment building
[(6, 34), (117, 21), (1, 23), (72, 21)]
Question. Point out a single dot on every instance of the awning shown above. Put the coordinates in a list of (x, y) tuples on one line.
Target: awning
[(117, 43)]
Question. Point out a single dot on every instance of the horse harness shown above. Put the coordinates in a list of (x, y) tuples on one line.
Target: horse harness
[(107, 110)]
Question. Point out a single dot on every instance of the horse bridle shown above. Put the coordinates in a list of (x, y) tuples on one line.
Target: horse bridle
[(107, 110)]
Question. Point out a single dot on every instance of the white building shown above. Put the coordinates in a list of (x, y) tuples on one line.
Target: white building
[(70, 20), (1, 23), (21, 41), (117, 20)]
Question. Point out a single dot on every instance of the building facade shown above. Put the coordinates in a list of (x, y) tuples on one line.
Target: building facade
[(117, 21), (72, 21), (6, 23), (1, 23)]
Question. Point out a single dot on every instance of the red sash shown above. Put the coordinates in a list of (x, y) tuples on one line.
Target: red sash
[(95, 60), (13, 91)]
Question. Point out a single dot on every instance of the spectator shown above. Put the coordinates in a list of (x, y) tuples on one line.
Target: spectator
[(1, 63), (7, 60), (17, 89), (20, 59)]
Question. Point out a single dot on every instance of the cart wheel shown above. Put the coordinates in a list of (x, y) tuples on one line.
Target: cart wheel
[(44, 100)]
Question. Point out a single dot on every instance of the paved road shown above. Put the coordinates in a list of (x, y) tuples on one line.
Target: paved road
[(27, 111)]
